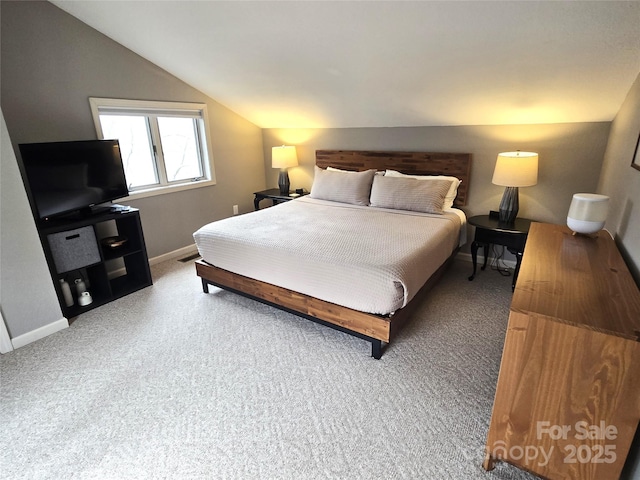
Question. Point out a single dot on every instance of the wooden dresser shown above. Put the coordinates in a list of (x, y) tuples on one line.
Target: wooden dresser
[(567, 401)]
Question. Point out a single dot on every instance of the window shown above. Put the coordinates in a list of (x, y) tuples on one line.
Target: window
[(164, 145)]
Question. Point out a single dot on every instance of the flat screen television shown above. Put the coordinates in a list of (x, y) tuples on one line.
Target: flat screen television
[(72, 177)]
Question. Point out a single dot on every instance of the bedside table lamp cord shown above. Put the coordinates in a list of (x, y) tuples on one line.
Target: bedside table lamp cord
[(498, 258)]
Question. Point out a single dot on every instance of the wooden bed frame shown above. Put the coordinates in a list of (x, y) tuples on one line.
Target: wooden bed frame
[(377, 329)]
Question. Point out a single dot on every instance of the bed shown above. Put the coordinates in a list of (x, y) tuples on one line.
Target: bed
[(357, 254)]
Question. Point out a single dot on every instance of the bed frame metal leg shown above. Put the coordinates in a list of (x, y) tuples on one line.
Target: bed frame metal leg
[(376, 349), (205, 286)]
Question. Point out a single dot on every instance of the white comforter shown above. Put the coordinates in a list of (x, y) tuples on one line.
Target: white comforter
[(368, 259)]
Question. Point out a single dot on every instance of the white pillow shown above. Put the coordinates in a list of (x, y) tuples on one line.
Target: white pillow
[(453, 189), (405, 193), (337, 186)]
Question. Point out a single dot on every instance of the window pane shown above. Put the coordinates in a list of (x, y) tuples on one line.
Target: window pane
[(180, 148), (133, 134)]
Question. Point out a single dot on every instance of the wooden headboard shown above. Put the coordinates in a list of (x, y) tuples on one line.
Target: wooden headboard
[(413, 163)]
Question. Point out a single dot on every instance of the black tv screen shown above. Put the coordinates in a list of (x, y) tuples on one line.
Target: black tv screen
[(65, 177)]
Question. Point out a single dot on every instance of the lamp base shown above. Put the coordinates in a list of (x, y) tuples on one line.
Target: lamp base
[(283, 182), (509, 205)]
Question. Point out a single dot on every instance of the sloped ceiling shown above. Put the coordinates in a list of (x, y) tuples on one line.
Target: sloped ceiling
[(383, 64)]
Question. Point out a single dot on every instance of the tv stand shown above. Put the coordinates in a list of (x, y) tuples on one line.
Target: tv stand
[(74, 249)]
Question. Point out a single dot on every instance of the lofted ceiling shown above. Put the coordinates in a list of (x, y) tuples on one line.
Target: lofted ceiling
[(388, 63)]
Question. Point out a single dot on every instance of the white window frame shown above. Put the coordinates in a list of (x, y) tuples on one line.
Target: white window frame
[(142, 107)]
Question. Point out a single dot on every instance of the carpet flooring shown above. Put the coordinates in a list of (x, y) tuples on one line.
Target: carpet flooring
[(170, 382)]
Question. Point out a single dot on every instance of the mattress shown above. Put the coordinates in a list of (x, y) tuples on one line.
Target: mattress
[(369, 259)]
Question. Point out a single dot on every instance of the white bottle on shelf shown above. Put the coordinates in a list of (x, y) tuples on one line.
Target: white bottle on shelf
[(66, 293), (80, 286)]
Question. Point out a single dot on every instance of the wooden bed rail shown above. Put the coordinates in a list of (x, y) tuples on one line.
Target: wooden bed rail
[(377, 329)]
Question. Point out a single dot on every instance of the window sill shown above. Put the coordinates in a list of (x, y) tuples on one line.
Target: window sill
[(152, 192)]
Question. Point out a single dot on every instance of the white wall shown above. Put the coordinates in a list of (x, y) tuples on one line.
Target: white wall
[(621, 182), (51, 64), (570, 157), (28, 299)]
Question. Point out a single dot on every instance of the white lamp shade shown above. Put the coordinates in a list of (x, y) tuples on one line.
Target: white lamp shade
[(516, 169), (588, 212), (283, 157)]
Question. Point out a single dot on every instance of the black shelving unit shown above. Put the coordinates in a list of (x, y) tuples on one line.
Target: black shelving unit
[(74, 250)]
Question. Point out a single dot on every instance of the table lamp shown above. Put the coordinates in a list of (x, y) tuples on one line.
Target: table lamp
[(587, 213), (513, 170), (283, 157)]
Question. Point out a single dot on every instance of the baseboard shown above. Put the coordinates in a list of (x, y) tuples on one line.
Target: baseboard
[(466, 257), (38, 333), (179, 253)]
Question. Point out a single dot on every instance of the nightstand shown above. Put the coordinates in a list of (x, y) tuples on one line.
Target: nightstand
[(274, 195), (490, 231)]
